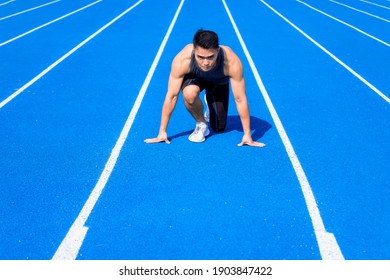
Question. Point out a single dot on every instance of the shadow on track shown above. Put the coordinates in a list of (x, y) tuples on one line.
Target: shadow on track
[(259, 128)]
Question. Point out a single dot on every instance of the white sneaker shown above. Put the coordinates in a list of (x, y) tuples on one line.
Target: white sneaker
[(207, 112), (200, 132)]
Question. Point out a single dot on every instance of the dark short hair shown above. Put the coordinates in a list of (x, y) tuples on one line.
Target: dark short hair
[(206, 39)]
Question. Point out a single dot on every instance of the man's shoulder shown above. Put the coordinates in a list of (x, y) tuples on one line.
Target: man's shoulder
[(181, 63), (232, 61), (184, 53), (187, 51), (228, 52)]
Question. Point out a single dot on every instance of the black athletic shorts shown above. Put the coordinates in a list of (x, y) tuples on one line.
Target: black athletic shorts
[(217, 97)]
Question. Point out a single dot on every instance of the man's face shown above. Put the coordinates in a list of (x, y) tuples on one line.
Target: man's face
[(206, 58)]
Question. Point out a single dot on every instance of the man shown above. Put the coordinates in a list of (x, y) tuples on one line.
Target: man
[(205, 65)]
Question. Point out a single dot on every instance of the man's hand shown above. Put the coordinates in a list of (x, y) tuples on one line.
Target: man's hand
[(162, 137), (247, 140)]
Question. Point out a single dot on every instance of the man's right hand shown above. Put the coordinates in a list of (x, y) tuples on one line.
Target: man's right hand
[(162, 137)]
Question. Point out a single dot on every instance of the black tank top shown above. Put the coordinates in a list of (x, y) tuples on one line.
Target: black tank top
[(215, 75)]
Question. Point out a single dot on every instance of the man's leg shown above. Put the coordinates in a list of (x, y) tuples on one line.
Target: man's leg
[(195, 106), (218, 103), (193, 103)]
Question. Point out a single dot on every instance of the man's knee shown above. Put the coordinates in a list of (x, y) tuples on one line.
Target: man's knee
[(190, 94)]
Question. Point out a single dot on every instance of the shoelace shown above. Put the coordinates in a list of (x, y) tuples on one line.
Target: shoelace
[(197, 129)]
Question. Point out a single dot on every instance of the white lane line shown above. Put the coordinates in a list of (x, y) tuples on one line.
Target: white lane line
[(327, 243), (385, 7), (5, 3), (70, 246), (364, 12), (347, 24), (31, 9), (48, 69), (372, 87), (48, 23)]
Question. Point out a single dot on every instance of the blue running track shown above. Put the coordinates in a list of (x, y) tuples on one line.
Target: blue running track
[(82, 85)]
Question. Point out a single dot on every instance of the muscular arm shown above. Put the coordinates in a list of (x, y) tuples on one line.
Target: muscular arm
[(238, 88), (237, 81), (170, 101), (178, 69)]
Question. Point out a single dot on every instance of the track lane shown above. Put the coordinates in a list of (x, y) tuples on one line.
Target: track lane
[(56, 140), (209, 201), (336, 125)]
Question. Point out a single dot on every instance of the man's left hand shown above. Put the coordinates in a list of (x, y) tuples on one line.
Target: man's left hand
[(247, 140)]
